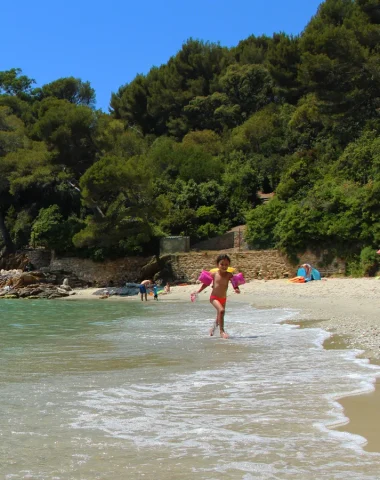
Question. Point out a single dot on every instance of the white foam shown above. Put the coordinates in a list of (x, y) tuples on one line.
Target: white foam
[(158, 387)]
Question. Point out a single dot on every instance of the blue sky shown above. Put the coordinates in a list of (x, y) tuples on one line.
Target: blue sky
[(107, 43)]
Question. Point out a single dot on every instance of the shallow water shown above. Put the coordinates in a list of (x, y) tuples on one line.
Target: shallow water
[(115, 390)]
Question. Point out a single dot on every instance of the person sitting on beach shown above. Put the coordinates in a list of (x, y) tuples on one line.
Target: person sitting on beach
[(307, 268), (218, 296), (167, 288), (143, 289)]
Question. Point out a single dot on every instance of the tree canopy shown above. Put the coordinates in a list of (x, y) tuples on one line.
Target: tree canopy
[(186, 148)]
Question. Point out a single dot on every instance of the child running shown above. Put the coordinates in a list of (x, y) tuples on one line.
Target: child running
[(218, 296)]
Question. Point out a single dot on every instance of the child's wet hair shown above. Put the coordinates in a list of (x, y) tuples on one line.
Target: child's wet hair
[(223, 256)]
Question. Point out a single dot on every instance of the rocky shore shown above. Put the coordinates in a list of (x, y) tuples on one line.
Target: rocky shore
[(32, 285)]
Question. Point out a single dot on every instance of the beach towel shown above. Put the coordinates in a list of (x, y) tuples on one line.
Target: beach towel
[(298, 279)]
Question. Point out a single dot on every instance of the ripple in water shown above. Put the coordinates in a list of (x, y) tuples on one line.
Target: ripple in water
[(108, 390)]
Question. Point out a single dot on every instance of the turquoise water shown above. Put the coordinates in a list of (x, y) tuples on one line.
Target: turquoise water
[(115, 390)]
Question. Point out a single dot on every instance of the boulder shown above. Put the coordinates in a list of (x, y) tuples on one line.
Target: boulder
[(28, 278), (65, 287), (155, 265)]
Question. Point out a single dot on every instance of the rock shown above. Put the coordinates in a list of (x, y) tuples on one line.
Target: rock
[(36, 290), (155, 265), (62, 291), (65, 286), (28, 278), (150, 269), (58, 295), (27, 292)]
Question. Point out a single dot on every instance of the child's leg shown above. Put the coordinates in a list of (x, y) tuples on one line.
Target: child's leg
[(217, 305), (223, 334), (219, 318), (212, 329)]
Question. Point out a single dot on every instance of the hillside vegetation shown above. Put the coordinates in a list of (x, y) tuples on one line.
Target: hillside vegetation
[(186, 148)]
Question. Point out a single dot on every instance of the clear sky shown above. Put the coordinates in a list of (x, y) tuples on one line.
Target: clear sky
[(107, 43)]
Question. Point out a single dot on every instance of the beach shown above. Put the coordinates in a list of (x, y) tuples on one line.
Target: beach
[(145, 383), (348, 307)]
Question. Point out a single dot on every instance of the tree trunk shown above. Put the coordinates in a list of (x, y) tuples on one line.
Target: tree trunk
[(9, 246)]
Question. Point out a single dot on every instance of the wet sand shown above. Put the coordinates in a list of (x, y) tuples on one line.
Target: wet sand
[(363, 414), (360, 410), (348, 308)]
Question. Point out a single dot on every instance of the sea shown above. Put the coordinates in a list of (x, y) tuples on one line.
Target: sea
[(110, 390)]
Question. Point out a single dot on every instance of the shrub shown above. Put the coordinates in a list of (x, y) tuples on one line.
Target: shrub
[(369, 261)]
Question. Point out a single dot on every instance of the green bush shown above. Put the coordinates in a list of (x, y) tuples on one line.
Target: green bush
[(364, 265), (369, 261), (353, 267), (51, 230)]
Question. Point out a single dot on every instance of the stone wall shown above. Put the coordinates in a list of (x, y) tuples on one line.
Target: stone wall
[(239, 241), (101, 273), (267, 264), (253, 264), (186, 267)]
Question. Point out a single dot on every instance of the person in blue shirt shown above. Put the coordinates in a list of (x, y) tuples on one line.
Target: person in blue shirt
[(155, 291)]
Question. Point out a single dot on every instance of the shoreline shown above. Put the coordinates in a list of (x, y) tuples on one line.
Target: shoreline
[(345, 307)]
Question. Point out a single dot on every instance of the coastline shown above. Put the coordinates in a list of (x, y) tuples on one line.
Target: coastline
[(347, 308)]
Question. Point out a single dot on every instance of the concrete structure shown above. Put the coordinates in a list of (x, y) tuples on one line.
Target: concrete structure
[(174, 245), (234, 238)]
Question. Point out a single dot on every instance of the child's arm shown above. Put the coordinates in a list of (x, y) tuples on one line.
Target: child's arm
[(194, 295), (202, 287)]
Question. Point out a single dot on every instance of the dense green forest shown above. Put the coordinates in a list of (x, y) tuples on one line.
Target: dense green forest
[(186, 148)]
